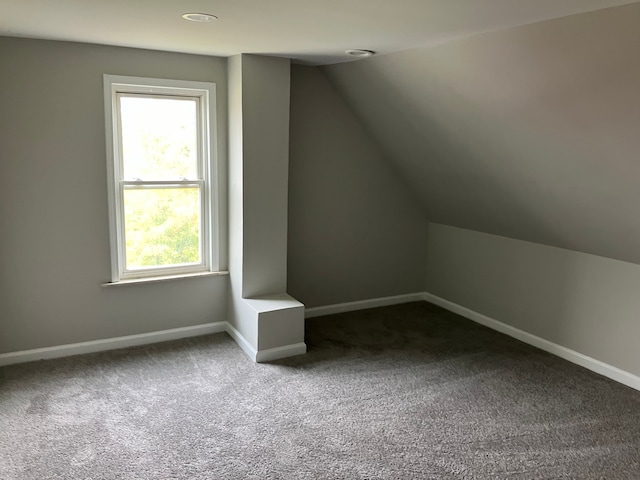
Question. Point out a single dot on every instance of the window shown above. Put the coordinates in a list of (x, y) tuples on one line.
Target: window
[(161, 164)]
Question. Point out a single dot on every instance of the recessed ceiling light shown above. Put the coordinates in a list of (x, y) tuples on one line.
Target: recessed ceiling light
[(200, 17), (356, 52)]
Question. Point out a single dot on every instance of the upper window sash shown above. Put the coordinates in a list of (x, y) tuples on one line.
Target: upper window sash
[(201, 145)]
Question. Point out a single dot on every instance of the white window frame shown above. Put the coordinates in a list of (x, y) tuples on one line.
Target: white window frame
[(207, 173)]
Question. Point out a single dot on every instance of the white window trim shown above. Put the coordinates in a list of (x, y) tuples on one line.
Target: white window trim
[(210, 193)]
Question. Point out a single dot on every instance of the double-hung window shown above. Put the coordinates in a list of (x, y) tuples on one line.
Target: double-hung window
[(160, 148)]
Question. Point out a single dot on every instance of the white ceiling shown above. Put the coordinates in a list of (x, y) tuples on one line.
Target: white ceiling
[(309, 31)]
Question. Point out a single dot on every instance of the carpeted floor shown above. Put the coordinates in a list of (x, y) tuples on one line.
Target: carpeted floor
[(402, 392)]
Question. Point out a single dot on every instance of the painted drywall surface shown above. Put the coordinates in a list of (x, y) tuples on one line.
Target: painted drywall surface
[(54, 246), (265, 125), (354, 230), (530, 133), (584, 302), (238, 312), (259, 142)]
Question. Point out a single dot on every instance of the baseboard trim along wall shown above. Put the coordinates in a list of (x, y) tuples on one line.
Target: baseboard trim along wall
[(578, 358), (110, 343), (277, 353), (242, 342), (268, 355), (72, 349), (363, 304)]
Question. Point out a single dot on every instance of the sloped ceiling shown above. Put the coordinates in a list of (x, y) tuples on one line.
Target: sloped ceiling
[(531, 133)]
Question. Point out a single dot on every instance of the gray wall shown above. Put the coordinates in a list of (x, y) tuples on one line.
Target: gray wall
[(530, 133), (587, 303), (265, 127), (258, 178), (354, 230), (54, 245)]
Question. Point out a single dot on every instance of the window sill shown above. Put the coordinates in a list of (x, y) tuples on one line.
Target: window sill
[(137, 281)]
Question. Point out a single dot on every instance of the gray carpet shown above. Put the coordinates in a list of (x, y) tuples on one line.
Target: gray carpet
[(402, 392)]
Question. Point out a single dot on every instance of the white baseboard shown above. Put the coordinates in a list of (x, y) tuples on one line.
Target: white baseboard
[(81, 348), (277, 353), (578, 358), (242, 342), (268, 355), (585, 361), (110, 343), (362, 304)]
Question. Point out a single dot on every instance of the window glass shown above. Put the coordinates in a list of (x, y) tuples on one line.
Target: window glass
[(159, 137), (162, 226)]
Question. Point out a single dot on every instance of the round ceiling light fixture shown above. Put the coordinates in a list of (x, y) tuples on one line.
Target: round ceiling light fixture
[(199, 17), (357, 52)]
